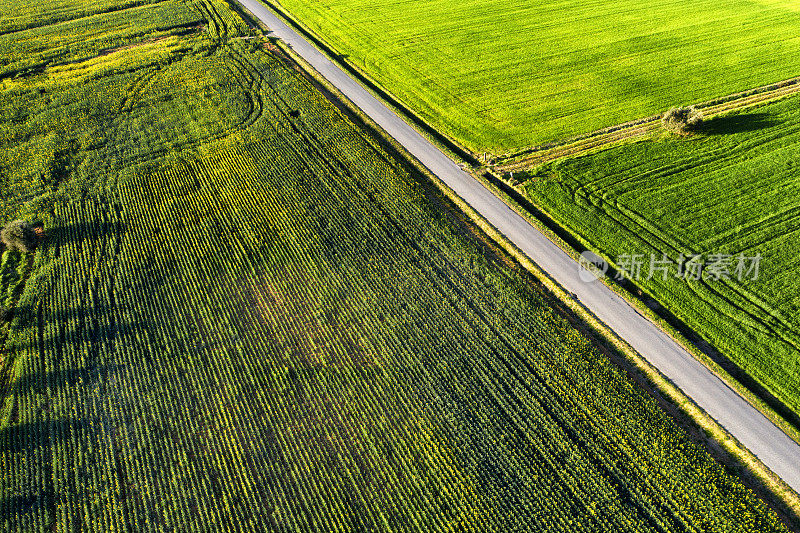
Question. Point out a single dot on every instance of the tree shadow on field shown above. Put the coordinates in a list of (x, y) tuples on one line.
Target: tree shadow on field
[(85, 376), (17, 505), (30, 436), (91, 326), (83, 231), (728, 124)]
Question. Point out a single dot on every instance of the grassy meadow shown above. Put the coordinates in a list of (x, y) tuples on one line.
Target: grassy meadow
[(732, 189), (244, 315), (501, 76)]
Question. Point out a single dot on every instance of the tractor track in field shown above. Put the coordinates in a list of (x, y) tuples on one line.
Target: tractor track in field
[(251, 82), (766, 319), (111, 9), (760, 314), (448, 289), (640, 128), (713, 395)]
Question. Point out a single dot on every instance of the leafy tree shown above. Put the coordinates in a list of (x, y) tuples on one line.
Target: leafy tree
[(682, 119), (20, 236), (5, 314)]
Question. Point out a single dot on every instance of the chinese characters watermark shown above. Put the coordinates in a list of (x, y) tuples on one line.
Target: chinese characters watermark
[(713, 266)]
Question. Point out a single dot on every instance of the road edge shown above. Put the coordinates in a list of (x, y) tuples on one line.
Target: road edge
[(737, 459)]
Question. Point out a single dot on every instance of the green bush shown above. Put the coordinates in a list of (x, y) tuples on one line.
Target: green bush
[(682, 119), (19, 236)]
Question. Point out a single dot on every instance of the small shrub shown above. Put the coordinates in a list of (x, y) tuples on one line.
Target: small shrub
[(19, 236), (682, 119), (5, 314)]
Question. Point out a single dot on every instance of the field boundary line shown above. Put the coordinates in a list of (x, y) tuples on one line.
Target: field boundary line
[(735, 456), (628, 131), (182, 31), (573, 244), (745, 384), (381, 93), (639, 129), (684, 411)]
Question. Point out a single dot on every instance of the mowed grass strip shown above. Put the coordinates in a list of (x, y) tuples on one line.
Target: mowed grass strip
[(731, 189), (503, 76)]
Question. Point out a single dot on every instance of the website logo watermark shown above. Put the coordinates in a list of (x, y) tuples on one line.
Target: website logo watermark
[(637, 267), (591, 267)]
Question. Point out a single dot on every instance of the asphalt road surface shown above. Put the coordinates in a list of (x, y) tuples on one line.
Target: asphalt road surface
[(773, 447)]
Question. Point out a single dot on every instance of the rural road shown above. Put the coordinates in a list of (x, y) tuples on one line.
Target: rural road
[(773, 447)]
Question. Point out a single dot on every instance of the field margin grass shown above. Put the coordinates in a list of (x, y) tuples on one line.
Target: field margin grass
[(641, 129), (376, 89)]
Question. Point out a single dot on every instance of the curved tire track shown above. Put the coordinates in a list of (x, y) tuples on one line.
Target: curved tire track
[(773, 447)]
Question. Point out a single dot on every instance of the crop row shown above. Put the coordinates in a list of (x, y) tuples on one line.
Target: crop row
[(265, 342), (727, 191), (286, 332)]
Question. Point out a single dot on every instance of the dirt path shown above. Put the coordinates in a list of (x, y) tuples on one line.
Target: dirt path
[(640, 128)]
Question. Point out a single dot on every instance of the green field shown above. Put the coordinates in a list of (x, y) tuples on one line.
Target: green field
[(732, 189), (502, 76), (246, 316)]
